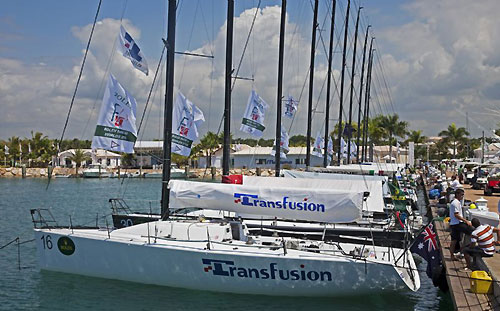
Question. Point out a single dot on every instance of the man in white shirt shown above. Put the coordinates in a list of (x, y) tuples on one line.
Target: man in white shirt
[(458, 224), (455, 184)]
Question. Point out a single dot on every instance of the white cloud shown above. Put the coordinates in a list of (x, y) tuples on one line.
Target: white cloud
[(451, 52)]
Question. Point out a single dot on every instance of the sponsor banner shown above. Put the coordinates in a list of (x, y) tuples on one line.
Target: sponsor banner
[(129, 49), (116, 130), (186, 119), (291, 106), (284, 149), (304, 203), (253, 119)]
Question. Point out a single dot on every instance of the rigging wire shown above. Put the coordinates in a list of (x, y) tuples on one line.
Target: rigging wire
[(242, 55), (79, 77)]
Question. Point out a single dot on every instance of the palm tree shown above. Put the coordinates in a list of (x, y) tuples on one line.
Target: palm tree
[(393, 127), (454, 136), (78, 157), (207, 146)]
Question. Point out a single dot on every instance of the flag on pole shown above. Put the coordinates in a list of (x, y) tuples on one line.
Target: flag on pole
[(319, 144), (425, 245), (330, 148), (253, 119), (343, 148), (291, 106), (116, 130), (186, 119), (29, 147), (353, 150), (284, 149), (131, 50), (6, 149)]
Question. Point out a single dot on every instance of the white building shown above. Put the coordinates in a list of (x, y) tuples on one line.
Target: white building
[(106, 158), (491, 151), (253, 157)]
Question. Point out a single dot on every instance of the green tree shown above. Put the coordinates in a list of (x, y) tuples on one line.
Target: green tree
[(393, 127), (128, 159), (297, 141), (455, 136), (439, 150), (207, 146), (78, 157)]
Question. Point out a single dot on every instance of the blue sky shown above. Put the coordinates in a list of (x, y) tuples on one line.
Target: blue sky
[(435, 66)]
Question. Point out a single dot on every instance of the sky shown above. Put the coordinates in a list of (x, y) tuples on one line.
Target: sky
[(435, 62)]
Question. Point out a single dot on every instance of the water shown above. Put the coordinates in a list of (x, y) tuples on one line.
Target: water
[(32, 289)]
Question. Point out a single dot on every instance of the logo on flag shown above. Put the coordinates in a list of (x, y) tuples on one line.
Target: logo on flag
[(131, 50), (186, 118)]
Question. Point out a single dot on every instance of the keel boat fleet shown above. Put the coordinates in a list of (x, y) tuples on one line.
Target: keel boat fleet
[(305, 234)]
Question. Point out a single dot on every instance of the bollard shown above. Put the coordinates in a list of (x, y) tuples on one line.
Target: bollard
[(186, 171), (213, 171), (258, 171), (118, 172), (49, 171), (23, 169)]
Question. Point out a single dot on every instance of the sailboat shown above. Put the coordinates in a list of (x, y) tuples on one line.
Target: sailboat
[(220, 254)]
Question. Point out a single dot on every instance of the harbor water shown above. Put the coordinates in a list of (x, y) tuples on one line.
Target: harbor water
[(85, 201)]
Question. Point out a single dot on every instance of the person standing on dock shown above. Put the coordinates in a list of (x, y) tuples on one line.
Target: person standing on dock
[(458, 224)]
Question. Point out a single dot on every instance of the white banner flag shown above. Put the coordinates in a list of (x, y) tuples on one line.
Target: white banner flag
[(186, 119), (354, 150), (290, 107), (343, 147), (116, 130), (253, 119), (6, 149), (284, 149), (411, 153), (131, 50), (319, 144), (330, 148)]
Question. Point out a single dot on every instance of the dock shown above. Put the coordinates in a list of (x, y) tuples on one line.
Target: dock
[(459, 280)]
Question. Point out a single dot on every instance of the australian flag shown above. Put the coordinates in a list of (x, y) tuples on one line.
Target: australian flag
[(425, 245), (131, 50)]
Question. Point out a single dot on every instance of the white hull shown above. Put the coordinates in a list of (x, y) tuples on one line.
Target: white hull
[(180, 174), (246, 269)]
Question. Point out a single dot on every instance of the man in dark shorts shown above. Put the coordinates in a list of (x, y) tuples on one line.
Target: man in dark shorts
[(482, 243), (458, 224)]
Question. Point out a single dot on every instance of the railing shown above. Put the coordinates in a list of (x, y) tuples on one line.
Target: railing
[(41, 221)]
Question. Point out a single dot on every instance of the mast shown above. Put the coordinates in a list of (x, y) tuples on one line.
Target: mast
[(352, 87), (167, 114), (327, 109), (277, 156), (367, 97), (311, 80), (227, 93), (341, 99), (361, 96)]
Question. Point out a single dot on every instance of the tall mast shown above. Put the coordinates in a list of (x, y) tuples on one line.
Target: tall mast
[(358, 157), (227, 94), (367, 97), (341, 99), (353, 69), (311, 80), (327, 109), (167, 114), (277, 156)]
